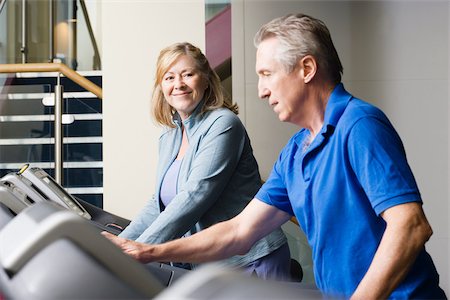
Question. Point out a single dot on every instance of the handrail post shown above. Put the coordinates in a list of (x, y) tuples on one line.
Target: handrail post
[(59, 102), (23, 46), (51, 33)]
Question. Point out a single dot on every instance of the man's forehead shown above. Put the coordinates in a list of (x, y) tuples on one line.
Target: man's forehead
[(265, 56)]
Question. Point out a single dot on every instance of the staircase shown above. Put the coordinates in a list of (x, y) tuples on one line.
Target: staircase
[(27, 130)]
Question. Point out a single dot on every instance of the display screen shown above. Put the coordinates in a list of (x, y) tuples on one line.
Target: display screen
[(60, 191)]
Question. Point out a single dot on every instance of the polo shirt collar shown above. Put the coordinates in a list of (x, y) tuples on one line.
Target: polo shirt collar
[(337, 102), (336, 105)]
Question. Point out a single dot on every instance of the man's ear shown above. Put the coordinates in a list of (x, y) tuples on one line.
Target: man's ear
[(309, 66)]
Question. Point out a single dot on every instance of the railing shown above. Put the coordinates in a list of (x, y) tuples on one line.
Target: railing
[(69, 73), (97, 61), (2, 4), (53, 67)]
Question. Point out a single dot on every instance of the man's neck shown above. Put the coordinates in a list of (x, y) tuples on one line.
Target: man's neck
[(318, 100)]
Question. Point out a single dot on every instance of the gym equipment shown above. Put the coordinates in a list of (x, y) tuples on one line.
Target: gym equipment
[(49, 252), (214, 281), (31, 185)]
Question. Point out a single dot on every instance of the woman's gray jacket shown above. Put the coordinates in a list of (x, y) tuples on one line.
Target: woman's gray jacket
[(218, 177)]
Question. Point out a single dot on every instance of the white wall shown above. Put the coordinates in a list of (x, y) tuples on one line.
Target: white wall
[(134, 32), (395, 55)]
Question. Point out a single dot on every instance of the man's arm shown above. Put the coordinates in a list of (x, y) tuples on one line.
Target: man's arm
[(407, 231), (223, 240)]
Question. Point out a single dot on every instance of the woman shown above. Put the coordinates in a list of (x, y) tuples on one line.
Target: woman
[(207, 172)]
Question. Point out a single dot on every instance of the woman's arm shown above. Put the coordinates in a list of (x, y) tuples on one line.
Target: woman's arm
[(223, 240), (217, 155), (142, 221)]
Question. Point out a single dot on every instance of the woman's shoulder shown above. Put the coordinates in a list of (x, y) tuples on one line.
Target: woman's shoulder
[(223, 119), (222, 115)]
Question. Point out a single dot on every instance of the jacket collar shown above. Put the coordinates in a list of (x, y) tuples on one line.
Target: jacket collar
[(192, 123)]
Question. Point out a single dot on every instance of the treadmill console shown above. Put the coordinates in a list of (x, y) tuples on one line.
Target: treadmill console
[(42, 187)]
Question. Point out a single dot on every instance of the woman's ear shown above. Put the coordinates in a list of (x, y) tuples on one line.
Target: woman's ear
[(309, 66)]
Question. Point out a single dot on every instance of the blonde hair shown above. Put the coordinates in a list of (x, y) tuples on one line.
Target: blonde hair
[(212, 99)]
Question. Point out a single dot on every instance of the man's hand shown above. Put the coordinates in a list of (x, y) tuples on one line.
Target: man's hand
[(134, 249)]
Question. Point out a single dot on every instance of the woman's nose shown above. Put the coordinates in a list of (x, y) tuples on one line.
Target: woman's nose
[(179, 82)]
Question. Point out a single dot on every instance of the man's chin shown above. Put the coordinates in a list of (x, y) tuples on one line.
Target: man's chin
[(282, 118)]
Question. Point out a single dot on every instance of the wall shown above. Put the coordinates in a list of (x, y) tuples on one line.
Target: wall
[(395, 55), (133, 34)]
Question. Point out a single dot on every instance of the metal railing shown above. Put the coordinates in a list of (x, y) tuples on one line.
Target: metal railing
[(97, 60), (2, 4), (69, 73), (53, 67)]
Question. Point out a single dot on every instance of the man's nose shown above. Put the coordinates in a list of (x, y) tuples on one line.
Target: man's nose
[(263, 92)]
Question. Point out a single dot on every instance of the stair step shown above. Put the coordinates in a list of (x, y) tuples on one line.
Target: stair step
[(87, 74), (50, 81), (50, 165), (85, 190), (44, 141), (11, 95), (33, 118)]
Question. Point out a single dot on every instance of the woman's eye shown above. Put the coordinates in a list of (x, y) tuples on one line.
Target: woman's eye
[(168, 78), (188, 75)]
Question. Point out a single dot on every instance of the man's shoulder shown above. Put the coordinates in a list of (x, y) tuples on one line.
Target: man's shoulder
[(358, 109)]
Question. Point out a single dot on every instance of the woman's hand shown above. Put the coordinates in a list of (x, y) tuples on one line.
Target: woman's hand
[(138, 251)]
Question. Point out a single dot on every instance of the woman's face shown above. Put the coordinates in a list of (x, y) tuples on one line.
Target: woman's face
[(183, 86)]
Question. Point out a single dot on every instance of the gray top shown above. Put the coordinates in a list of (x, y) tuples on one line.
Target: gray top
[(218, 177)]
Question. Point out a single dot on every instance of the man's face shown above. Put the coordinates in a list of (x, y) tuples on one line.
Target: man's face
[(284, 91)]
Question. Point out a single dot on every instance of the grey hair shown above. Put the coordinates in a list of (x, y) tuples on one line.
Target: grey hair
[(300, 35)]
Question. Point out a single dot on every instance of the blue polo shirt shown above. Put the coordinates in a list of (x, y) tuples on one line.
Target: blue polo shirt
[(338, 186)]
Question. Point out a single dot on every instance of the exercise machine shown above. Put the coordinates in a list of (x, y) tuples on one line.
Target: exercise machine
[(49, 252), (31, 185)]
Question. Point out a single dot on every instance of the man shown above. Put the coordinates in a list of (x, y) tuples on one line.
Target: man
[(344, 175)]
